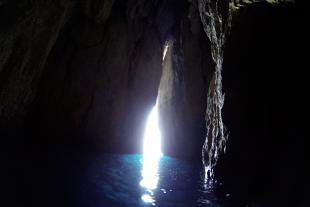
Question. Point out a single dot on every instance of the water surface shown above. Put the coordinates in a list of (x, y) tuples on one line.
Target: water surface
[(118, 180)]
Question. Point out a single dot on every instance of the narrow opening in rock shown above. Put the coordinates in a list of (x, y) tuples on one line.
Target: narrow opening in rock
[(152, 151)]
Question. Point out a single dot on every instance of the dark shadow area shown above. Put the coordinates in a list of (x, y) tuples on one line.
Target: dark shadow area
[(266, 108)]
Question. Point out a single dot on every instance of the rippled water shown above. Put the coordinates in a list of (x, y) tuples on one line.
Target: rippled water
[(117, 181)]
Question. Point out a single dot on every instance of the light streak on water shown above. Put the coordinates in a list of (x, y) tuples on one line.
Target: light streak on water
[(151, 156)]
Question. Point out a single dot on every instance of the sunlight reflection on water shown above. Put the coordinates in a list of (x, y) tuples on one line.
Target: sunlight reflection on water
[(150, 179), (151, 157), (117, 182)]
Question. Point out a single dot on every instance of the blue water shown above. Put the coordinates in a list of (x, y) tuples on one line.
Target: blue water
[(115, 182)]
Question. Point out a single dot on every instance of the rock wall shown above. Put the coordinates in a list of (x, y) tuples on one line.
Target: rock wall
[(183, 88), (265, 83), (87, 73), (28, 32), (107, 77)]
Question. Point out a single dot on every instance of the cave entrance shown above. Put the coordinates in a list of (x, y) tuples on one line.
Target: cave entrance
[(152, 149), (152, 133), (152, 136)]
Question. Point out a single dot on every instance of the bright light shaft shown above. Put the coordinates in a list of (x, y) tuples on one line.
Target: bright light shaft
[(152, 136), (165, 51), (151, 151)]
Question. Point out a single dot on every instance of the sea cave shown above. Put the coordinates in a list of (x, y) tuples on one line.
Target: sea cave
[(136, 103)]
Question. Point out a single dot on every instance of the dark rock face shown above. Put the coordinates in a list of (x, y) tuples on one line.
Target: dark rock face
[(107, 78), (264, 81), (29, 33)]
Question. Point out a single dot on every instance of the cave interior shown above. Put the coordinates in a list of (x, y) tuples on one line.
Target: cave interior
[(78, 78)]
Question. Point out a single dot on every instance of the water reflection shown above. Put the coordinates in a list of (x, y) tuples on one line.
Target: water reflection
[(147, 180), (147, 198), (116, 181), (151, 157)]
